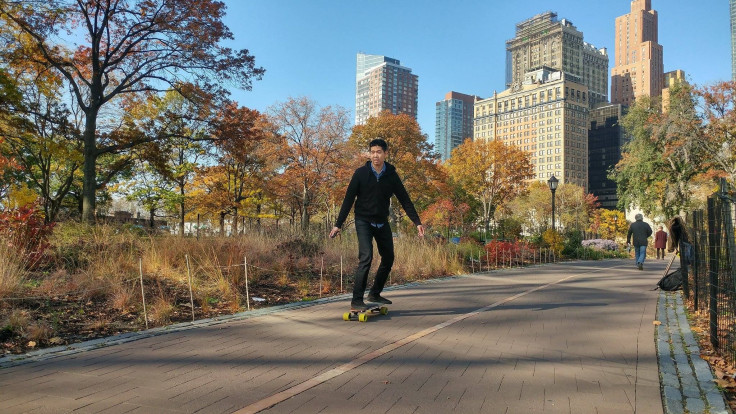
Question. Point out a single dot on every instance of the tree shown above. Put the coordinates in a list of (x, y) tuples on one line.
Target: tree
[(151, 190), (574, 206), (241, 136), (664, 158), (10, 99), (131, 47), (613, 224), (533, 208), (444, 213), (494, 173), (312, 151), (719, 134), (409, 152), (183, 136), (43, 137)]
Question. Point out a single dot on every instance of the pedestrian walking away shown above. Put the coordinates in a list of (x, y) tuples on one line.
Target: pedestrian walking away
[(370, 189), (639, 231), (660, 242)]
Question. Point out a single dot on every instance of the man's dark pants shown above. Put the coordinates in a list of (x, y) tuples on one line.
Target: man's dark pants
[(385, 243)]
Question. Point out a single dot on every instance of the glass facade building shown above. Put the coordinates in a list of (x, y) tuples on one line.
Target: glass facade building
[(605, 140), (733, 39), (454, 122)]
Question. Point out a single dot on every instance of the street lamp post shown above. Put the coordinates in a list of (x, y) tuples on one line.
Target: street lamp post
[(615, 226), (552, 182)]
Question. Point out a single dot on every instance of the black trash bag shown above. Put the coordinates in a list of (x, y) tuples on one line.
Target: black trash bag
[(671, 281)]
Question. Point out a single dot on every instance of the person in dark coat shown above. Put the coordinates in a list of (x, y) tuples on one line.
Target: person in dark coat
[(371, 189), (660, 242), (640, 232)]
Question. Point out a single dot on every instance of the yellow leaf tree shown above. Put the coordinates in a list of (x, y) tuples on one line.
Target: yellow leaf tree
[(494, 173)]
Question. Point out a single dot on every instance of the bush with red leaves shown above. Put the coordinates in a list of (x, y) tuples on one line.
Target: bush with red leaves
[(25, 232)]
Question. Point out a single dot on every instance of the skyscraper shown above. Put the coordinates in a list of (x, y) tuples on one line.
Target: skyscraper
[(733, 39), (547, 116), (381, 83), (605, 140), (638, 68), (545, 41), (454, 122)]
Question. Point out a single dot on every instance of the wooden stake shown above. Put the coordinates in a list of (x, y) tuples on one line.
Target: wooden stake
[(143, 295), (247, 295), (191, 297)]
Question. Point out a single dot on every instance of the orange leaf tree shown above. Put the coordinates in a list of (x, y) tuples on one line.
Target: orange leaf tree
[(312, 150), (240, 136), (124, 48), (409, 152), (494, 173), (719, 134)]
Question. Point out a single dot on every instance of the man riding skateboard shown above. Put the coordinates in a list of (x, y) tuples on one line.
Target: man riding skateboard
[(371, 188)]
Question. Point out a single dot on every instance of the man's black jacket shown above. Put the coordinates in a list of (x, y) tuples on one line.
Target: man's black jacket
[(374, 196)]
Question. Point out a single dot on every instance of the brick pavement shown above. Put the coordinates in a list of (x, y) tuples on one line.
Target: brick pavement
[(576, 337)]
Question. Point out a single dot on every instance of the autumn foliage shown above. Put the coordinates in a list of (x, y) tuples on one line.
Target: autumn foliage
[(25, 233)]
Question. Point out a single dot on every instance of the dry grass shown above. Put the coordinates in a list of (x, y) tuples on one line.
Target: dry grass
[(39, 332), (161, 310), (17, 320), (122, 298), (101, 263), (13, 266), (98, 324)]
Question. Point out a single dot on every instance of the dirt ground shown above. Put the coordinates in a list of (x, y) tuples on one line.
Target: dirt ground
[(43, 323), (723, 371)]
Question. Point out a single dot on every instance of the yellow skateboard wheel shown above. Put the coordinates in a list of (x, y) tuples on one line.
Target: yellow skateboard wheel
[(346, 316), (384, 310), (363, 317)]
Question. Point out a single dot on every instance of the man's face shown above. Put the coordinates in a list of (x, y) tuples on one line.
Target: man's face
[(378, 156)]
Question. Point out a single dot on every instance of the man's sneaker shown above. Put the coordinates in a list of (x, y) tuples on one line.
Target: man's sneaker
[(358, 305), (641, 266), (378, 299)]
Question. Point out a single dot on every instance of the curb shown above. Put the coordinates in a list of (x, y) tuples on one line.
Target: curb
[(686, 380)]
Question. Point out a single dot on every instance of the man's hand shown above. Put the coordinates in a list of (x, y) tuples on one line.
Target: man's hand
[(335, 231), (420, 230)]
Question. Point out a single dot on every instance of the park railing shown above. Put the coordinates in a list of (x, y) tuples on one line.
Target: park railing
[(709, 283)]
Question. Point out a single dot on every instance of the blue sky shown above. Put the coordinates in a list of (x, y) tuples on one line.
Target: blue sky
[(308, 47)]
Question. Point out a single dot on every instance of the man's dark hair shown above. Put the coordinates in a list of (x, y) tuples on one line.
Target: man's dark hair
[(378, 142)]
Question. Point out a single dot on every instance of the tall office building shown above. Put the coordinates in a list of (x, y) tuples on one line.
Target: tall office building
[(605, 140), (670, 79), (638, 68), (545, 115), (546, 41), (381, 83), (733, 39), (454, 122)]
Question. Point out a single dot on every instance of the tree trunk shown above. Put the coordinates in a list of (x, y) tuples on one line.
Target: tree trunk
[(305, 211), (181, 212), (152, 218), (89, 170), (234, 229), (258, 217), (222, 224)]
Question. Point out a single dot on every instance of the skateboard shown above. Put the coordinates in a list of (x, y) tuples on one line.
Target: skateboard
[(362, 315)]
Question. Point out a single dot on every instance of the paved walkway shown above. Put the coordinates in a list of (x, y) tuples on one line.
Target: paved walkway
[(576, 337)]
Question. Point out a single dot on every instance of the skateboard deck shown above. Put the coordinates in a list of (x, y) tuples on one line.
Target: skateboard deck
[(362, 315)]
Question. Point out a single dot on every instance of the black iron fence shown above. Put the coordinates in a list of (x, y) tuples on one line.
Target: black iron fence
[(709, 283)]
